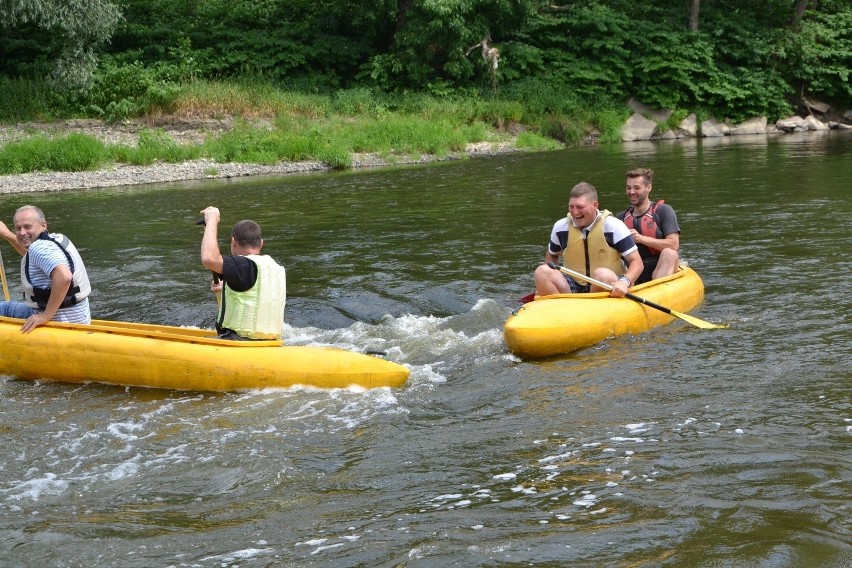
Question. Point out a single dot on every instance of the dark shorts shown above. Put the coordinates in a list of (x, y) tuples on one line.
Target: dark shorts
[(647, 273), (230, 335), (576, 287)]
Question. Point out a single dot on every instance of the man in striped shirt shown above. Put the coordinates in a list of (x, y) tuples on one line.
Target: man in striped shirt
[(53, 276), (591, 242)]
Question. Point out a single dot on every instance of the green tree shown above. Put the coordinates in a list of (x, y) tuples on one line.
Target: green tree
[(432, 40), (75, 30), (816, 54), (310, 44)]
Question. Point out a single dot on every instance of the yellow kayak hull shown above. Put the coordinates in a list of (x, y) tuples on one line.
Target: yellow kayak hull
[(561, 323), (166, 357)]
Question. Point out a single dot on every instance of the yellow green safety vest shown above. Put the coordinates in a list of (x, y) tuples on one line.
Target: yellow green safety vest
[(585, 255), (257, 313)]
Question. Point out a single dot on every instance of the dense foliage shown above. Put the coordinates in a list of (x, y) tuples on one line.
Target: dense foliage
[(58, 38), (738, 58)]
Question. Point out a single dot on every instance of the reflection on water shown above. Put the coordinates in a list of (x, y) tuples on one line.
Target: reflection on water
[(676, 447)]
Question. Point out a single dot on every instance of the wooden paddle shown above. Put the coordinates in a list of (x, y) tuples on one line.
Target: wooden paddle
[(3, 277), (689, 319)]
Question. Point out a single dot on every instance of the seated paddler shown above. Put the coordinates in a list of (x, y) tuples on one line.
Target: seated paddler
[(592, 242), (653, 226), (53, 277), (251, 287)]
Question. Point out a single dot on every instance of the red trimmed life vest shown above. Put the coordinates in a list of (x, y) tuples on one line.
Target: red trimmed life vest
[(647, 224)]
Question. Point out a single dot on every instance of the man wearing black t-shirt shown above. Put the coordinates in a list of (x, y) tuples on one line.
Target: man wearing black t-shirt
[(251, 287)]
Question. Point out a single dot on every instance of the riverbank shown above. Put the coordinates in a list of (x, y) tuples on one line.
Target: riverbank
[(184, 132)]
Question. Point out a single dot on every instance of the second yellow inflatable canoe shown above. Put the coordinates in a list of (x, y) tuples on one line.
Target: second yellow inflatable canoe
[(561, 323)]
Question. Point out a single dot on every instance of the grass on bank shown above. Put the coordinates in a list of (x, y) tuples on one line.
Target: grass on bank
[(276, 125), (71, 153), (330, 142)]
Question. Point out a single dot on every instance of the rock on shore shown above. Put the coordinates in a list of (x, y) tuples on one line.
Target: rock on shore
[(647, 123), (133, 175)]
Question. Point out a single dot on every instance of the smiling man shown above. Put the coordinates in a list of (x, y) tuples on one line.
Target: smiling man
[(653, 225), (53, 276), (591, 242)]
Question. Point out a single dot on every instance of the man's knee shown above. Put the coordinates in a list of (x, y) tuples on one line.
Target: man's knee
[(605, 275), (542, 270), (669, 255), (667, 263)]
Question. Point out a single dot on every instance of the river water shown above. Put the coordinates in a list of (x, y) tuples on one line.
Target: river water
[(676, 447)]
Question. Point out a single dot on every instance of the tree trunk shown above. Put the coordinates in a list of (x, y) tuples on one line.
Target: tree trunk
[(402, 13), (694, 5), (798, 13)]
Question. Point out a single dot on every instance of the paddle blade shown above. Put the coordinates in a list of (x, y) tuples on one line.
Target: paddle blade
[(698, 322)]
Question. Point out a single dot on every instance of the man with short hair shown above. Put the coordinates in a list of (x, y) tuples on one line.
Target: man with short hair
[(53, 277), (653, 225), (253, 289), (591, 242)]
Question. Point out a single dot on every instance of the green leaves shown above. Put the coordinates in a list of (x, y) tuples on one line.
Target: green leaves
[(75, 28), (731, 68), (745, 58), (821, 54)]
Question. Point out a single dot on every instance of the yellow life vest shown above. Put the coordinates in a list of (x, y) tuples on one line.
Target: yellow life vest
[(584, 255), (257, 313)]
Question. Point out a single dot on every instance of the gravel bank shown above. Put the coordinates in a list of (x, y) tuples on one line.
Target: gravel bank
[(185, 132)]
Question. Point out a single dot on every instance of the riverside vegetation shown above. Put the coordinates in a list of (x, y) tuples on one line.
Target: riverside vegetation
[(273, 125), (288, 81)]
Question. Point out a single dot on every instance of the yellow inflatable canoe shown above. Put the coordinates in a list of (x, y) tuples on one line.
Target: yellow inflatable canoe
[(561, 323), (168, 357)]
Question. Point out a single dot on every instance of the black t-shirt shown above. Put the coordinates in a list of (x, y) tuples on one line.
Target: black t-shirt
[(238, 272)]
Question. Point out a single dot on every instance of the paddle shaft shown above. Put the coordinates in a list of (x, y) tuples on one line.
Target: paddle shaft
[(590, 280), (3, 278)]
